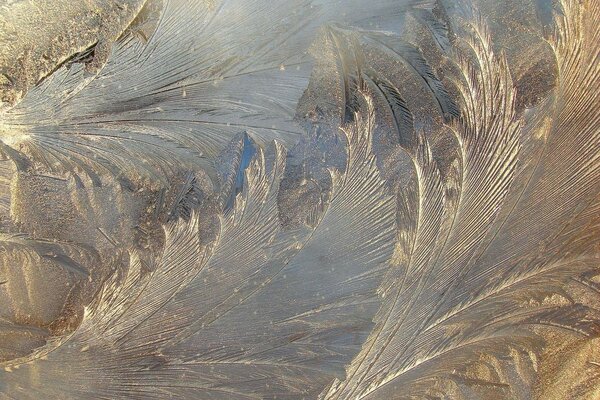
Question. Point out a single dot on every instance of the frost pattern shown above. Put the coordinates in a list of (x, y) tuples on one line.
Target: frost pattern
[(304, 199)]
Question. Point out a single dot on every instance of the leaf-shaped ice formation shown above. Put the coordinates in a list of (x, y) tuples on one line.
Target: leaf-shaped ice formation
[(209, 71), (165, 104), (305, 298), (454, 254), (462, 293)]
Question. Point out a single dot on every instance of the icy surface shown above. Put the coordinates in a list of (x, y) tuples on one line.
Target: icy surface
[(299, 199)]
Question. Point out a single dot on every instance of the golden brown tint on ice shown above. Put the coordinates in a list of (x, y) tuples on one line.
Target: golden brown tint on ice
[(299, 199)]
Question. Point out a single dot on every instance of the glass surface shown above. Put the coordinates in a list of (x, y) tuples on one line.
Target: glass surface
[(251, 199)]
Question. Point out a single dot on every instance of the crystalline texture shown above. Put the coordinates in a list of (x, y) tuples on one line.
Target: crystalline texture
[(299, 199)]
